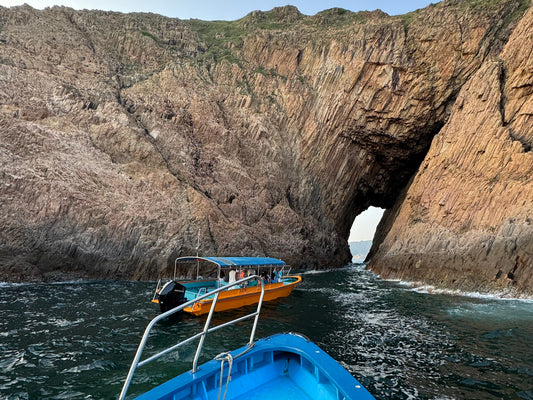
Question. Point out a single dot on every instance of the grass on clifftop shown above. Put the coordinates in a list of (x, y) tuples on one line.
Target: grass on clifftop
[(222, 38), (219, 37)]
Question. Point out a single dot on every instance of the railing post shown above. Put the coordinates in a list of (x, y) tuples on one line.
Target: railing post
[(137, 358), (202, 339), (256, 319)]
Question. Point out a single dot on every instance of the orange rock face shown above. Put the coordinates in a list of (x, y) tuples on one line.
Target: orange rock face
[(465, 221), (125, 139)]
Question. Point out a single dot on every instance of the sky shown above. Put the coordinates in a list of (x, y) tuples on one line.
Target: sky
[(209, 10), (364, 226)]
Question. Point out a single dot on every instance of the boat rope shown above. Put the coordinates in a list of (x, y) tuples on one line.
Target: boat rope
[(223, 357)]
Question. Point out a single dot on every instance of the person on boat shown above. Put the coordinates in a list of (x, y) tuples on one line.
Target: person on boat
[(265, 278), (277, 276), (232, 276)]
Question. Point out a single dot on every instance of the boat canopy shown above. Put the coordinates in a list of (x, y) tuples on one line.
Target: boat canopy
[(234, 261)]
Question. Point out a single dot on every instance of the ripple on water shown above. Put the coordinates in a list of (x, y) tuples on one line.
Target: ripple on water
[(11, 359), (61, 322), (10, 333), (104, 365)]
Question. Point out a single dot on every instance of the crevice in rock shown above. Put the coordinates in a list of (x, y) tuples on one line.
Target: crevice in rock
[(130, 109), (502, 79)]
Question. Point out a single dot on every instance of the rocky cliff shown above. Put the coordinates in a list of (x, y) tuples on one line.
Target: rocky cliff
[(128, 139), (465, 220)]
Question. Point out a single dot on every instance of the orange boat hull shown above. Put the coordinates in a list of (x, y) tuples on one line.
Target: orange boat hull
[(235, 298)]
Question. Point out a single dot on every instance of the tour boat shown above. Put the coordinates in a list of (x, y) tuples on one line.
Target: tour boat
[(282, 366), (226, 270)]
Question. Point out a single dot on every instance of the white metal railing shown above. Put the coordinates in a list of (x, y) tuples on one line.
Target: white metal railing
[(285, 270), (136, 360)]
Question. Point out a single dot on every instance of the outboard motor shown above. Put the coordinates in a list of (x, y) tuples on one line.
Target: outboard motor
[(171, 295)]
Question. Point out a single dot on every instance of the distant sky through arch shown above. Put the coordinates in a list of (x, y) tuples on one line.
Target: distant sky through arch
[(365, 224)]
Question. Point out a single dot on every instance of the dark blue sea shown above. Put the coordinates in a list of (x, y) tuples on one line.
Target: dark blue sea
[(77, 340)]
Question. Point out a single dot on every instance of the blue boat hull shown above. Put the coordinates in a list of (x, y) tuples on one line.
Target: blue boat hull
[(282, 366)]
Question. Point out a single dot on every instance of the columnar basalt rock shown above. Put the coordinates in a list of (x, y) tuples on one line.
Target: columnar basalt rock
[(126, 138), (465, 221)]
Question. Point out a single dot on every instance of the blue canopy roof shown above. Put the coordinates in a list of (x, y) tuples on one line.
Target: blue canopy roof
[(235, 261)]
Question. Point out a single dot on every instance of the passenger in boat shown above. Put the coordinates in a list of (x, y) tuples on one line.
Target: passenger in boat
[(241, 274), (265, 278), (232, 276), (222, 277), (277, 276)]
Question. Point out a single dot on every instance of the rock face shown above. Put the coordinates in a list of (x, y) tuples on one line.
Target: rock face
[(465, 221), (126, 140)]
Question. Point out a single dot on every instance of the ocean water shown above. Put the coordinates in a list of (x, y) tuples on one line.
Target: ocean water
[(76, 340)]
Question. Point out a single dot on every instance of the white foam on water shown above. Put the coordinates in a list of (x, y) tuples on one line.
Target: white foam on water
[(320, 271), (77, 282), (61, 322), (500, 311), (359, 267), (12, 332), (315, 271), (11, 284), (15, 284), (430, 289), (97, 364)]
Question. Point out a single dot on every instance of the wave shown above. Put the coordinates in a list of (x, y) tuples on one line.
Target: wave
[(11, 284), (315, 271), (430, 289), (103, 365), (356, 266)]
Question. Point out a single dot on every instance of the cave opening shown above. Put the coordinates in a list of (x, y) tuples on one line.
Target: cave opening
[(363, 231)]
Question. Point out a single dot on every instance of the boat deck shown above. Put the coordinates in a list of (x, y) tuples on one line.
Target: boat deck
[(277, 382), (282, 387)]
